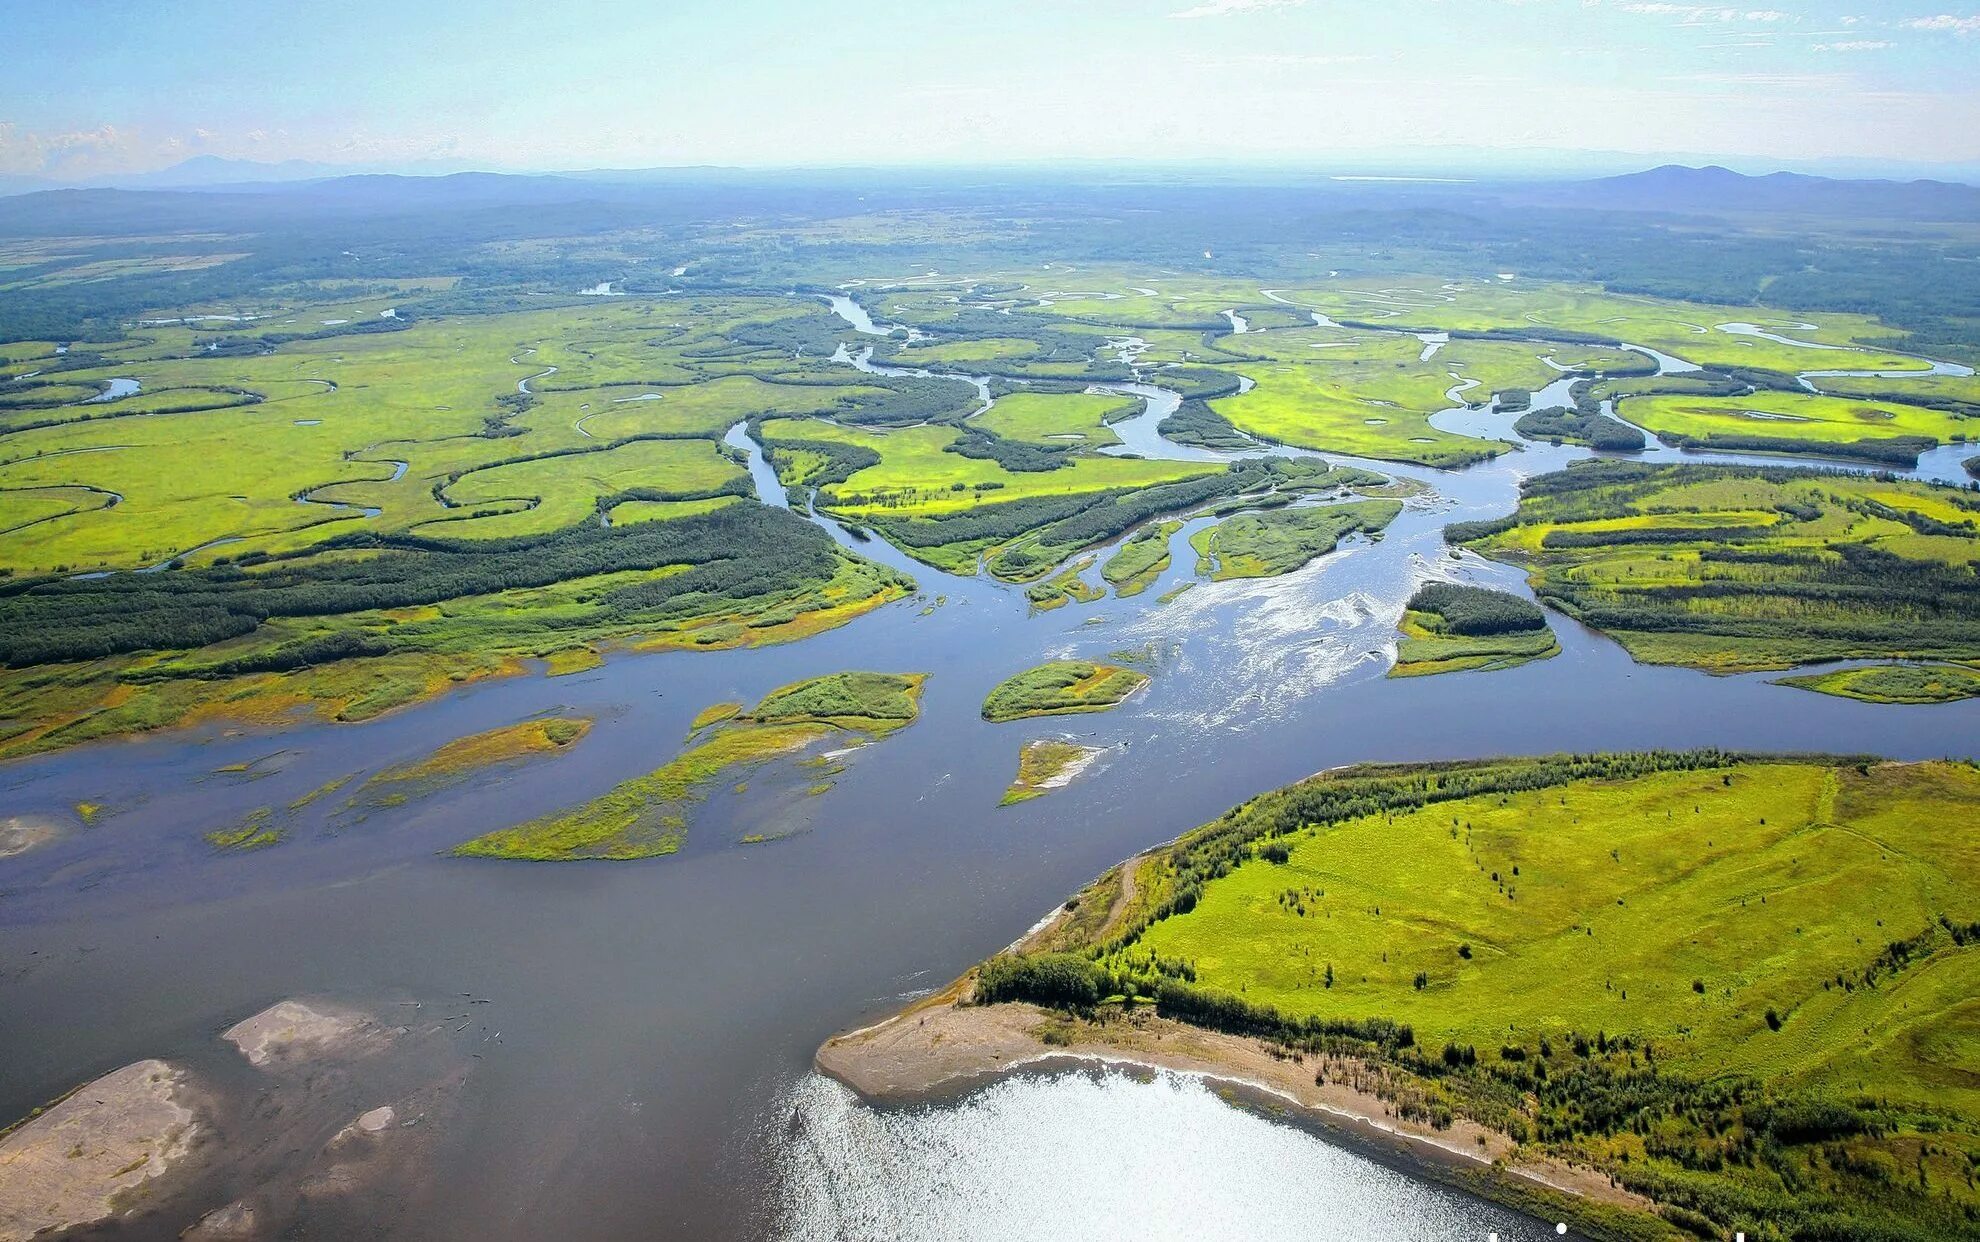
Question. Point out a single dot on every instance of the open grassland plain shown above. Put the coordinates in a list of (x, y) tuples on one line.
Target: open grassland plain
[(1265, 545), (1451, 628), (1365, 393), (1895, 683), (1060, 688), (650, 815), (1739, 989), (1730, 568)]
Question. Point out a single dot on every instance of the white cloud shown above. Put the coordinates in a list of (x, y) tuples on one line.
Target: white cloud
[(1964, 27), (1855, 45), (1230, 8), (1698, 14)]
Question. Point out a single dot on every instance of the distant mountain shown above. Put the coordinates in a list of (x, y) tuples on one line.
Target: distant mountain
[(210, 170), (1676, 188)]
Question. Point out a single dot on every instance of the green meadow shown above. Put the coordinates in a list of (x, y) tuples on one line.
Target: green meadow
[(1797, 422), (1741, 987)]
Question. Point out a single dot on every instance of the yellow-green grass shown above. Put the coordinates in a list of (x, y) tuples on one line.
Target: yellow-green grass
[(1045, 765), (915, 477), (1964, 388), (422, 395), (714, 713), (1061, 687), (468, 758), (1141, 560), (1688, 330), (989, 351), (1895, 683), (1742, 988), (1427, 648), (1365, 393), (1265, 545), (550, 493), (707, 408), (1597, 905), (1732, 568), (1817, 422), (255, 831), (628, 512), (649, 815), (441, 646), (874, 703), (1502, 365), (1057, 418), (1065, 587)]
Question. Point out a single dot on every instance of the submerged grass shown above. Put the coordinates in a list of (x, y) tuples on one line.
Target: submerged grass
[(649, 815)]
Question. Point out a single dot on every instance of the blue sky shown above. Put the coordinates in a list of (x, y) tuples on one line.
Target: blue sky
[(90, 87)]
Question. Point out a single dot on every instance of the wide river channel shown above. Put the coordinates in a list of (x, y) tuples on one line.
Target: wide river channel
[(641, 1063)]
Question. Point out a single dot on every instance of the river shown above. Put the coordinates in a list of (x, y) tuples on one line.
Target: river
[(649, 1067)]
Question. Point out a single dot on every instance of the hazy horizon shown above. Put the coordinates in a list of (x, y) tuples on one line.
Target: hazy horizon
[(1470, 85)]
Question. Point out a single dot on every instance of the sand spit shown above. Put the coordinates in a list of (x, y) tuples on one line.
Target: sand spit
[(68, 1166), (942, 1045), (19, 834), (293, 1032)]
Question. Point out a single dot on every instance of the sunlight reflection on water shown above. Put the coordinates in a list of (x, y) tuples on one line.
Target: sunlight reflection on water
[(1098, 1154)]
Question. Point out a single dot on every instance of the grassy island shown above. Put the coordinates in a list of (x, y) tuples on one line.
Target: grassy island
[(1739, 989), (1448, 627), (1265, 545), (1895, 683), (650, 815), (1059, 688), (1142, 559)]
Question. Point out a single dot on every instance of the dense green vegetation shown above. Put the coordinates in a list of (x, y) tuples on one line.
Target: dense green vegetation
[(373, 621), (1448, 627), (1059, 688), (1264, 545), (1141, 559), (650, 815), (1739, 986), (873, 703), (1593, 428), (1734, 567)]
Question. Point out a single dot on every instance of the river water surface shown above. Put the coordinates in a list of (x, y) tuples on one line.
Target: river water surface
[(642, 1066)]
